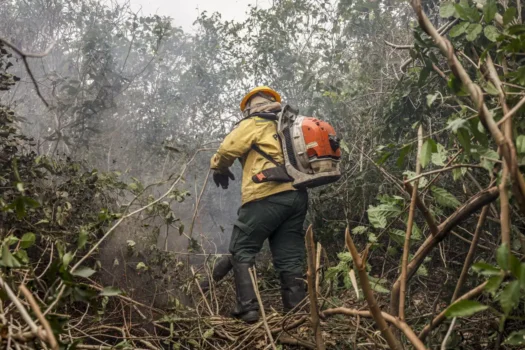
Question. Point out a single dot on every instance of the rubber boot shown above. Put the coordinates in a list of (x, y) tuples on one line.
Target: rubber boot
[(292, 290), (247, 308), (220, 269)]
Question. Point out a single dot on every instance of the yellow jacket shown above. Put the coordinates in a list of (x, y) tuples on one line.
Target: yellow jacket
[(238, 143)]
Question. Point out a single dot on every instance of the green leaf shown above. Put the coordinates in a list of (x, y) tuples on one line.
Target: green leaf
[(486, 159), (82, 238), (465, 308), (8, 260), (20, 187), (520, 144), (66, 259), (359, 230), (110, 292), (489, 11), (411, 174), (493, 283), (429, 146), (208, 333), (28, 239), (509, 15), (83, 272), (515, 266), (491, 89), (10, 240), (522, 275), (473, 31), (510, 297), (486, 269), (21, 255), (344, 146), (456, 124), (447, 9), (491, 33), (502, 256), (516, 338), (444, 198), (458, 29), (378, 215), (440, 157), (431, 99)]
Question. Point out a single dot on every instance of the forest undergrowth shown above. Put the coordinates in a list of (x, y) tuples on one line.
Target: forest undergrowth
[(420, 245)]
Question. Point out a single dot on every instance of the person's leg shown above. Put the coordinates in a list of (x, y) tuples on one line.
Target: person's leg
[(256, 222), (222, 266), (288, 251)]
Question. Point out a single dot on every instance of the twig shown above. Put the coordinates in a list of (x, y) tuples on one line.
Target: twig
[(513, 111), (310, 275), (400, 47), (470, 254), (443, 170), (369, 295), (319, 250), (202, 293), (253, 277), (293, 341), (449, 332), (475, 203), (23, 312), (25, 55), (410, 224), (49, 333), (441, 317), (198, 202), (401, 325)]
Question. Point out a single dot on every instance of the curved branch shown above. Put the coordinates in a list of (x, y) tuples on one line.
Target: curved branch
[(24, 55), (472, 205), (401, 325), (441, 317)]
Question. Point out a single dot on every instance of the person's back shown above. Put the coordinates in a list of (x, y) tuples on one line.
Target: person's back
[(270, 210)]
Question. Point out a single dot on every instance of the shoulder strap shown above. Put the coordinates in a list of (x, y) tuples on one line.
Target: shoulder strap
[(264, 115), (265, 155)]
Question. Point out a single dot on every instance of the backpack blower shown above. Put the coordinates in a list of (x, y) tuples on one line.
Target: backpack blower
[(311, 151)]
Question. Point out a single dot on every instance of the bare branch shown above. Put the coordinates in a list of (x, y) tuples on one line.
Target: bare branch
[(311, 274), (472, 205), (441, 317), (410, 224), (25, 55), (369, 295)]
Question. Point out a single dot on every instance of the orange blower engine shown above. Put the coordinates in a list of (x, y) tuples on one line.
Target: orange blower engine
[(311, 149)]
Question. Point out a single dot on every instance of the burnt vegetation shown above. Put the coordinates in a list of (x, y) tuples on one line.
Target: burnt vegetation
[(107, 220)]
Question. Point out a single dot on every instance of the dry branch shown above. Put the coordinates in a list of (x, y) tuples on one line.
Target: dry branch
[(369, 295), (410, 225), (401, 325), (310, 274), (25, 55), (253, 277), (49, 332), (472, 205), (441, 317), (429, 218), (470, 254)]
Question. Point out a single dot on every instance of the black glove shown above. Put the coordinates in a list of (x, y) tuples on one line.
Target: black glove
[(222, 178)]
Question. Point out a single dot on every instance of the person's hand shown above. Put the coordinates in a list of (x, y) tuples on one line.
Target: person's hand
[(222, 178)]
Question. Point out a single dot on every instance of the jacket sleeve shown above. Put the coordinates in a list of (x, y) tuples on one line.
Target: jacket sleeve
[(235, 145)]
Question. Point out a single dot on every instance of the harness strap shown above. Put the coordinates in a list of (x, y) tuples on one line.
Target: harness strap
[(265, 155)]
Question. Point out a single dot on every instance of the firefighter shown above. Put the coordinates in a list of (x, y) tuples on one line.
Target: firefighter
[(270, 210)]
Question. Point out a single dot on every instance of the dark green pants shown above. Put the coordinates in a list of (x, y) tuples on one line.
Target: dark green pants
[(278, 218)]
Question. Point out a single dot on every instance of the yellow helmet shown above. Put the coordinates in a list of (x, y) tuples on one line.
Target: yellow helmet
[(263, 89)]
